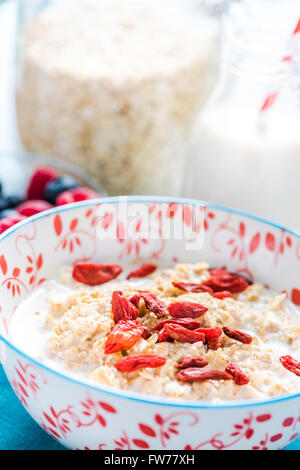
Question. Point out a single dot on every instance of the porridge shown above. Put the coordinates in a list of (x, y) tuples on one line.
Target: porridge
[(117, 88), (187, 332)]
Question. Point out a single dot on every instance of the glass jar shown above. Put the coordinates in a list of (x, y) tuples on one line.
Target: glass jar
[(17, 167), (243, 156), (116, 86)]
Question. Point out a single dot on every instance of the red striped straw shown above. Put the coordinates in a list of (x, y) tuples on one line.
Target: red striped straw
[(272, 96)]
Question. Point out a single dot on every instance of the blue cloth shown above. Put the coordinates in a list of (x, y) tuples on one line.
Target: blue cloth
[(18, 431)]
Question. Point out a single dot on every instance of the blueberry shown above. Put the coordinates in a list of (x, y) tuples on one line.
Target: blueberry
[(58, 186), (10, 202), (13, 201), (8, 213), (3, 204)]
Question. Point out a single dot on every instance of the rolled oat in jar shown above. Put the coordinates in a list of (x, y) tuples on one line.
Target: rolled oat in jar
[(116, 87)]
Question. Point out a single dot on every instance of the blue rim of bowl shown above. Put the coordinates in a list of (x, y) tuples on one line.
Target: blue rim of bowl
[(130, 395)]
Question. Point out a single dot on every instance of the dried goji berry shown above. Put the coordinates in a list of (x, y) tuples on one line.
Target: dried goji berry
[(93, 274), (223, 294), (192, 287), (210, 333), (132, 363), (163, 336), (142, 271), (186, 310), (237, 335), (123, 336), (146, 332), (212, 336), (192, 361), (135, 300), (239, 377), (155, 305), (189, 323), (195, 374), (122, 308), (222, 280), (290, 364), (215, 343), (183, 335)]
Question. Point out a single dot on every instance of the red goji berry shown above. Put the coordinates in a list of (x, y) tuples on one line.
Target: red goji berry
[(135, 300), (237, 335), (215, 343), (186, 310), (222, 280), (193, 361), (239, 377), (212, 337), (124, 335), (223, 294), (183, 335), (189, 323), (163, 336), (155, 305), (194, 374), (210, 333), (142, 271), (192, 287), (290, 364), (93, 274), (122, 308), (132, 363), (146, 332)]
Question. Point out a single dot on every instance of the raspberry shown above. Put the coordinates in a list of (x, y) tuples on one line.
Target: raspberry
[(33, 207), (38, 181), (8, 222), (76, 195)]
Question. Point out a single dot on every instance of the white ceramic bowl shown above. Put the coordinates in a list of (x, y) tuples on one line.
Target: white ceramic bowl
[(84, 416)]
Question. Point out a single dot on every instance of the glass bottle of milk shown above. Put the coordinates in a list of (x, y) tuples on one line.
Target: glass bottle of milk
[(242, 157)]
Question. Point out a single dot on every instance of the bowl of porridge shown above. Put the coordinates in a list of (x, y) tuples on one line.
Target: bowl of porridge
[(150, 323)]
